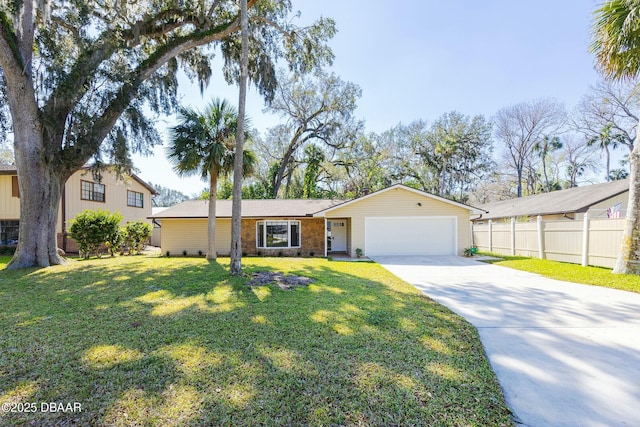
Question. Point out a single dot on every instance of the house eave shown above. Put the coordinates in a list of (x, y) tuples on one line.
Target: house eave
[(305, 216)]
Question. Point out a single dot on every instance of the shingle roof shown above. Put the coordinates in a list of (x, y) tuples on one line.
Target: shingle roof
[(577, 199), (250, 208), (8, 169)]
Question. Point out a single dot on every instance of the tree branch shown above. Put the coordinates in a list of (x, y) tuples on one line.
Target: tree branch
[(128, 91)]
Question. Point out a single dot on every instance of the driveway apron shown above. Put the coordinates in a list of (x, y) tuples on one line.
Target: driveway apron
[(565, 354)]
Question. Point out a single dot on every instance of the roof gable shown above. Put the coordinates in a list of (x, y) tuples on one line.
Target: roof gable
[(406, 188)]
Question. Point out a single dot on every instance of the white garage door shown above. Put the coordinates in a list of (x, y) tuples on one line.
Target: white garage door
[(410, 236)]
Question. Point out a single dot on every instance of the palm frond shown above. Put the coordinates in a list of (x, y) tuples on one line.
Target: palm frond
[(616, 39)]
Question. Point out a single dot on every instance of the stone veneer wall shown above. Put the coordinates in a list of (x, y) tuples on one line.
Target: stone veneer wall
[(312, 238)]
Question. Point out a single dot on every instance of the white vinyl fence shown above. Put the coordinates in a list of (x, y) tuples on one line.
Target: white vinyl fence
[(587, 242)]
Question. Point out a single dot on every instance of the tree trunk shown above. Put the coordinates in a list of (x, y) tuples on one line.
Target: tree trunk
[(236, 214), (608, 157), (546, 176), (40, 190), (629, 258), (519, 186), (295, 143), (211, 222)]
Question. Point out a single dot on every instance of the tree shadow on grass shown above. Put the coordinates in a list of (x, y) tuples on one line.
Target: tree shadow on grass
[(177, 343)]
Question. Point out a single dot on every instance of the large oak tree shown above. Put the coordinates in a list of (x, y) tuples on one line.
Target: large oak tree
[(80, 77), (316, 108)]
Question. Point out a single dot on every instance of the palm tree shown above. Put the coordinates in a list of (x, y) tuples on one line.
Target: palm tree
[(544, 148), (203, 142), (235, 265), (607, 141), (616, 45)]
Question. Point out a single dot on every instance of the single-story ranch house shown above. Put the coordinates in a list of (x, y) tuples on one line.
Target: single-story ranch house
[(600, 201), (395, 221)]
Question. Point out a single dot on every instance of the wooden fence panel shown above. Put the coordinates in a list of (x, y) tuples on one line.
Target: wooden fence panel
[(481, 237), (562, 240), (527, 239), (502, 238), (605, 241)]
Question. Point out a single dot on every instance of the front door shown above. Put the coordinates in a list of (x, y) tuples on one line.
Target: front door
[(337, 235)]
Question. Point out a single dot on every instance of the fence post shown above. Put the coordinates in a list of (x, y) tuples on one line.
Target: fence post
[(490, 235), (513, 236), (585, 240), (540, 238)]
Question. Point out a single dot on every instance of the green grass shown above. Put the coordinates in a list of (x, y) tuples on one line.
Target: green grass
[(575, 273), (168, 342)]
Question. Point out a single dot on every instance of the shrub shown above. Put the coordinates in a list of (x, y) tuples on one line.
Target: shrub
[(116, 240), (168, 254), (184, 252), (90, 229), (138, 232), (469, 252), (358, 252), (7, 250)]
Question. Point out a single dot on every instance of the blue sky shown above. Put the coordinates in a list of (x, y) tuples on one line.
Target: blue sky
[(420, 59)]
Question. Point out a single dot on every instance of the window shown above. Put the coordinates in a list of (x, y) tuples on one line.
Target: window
[(278, 234), (9, 233), (92, 191), (135, 199)]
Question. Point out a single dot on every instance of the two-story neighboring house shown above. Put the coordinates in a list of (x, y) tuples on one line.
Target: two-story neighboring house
[(130, 196)]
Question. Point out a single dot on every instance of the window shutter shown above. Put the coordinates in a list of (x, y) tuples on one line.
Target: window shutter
[(15, 190)]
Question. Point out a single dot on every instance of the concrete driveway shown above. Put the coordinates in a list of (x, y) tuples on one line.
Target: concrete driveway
[(565, 354)]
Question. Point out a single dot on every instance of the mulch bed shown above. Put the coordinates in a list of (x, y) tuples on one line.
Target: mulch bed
[(288, 282)]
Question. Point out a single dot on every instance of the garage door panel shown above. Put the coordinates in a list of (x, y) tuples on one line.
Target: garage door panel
[(410, 236)]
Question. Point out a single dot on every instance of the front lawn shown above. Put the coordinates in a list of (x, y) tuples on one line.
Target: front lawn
[(162, 342), (575, 273)]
